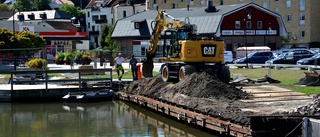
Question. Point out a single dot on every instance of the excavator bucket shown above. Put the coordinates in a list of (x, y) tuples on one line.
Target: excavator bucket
[(147, 69), (310, 79)]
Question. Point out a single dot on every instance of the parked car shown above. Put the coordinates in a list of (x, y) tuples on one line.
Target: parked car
[(228, 57), (314, 60), (292, 56), (255, 57)]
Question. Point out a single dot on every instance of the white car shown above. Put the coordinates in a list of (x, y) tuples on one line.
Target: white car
[(228, 57)]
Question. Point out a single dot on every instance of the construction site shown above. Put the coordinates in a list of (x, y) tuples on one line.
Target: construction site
[(238, 109)]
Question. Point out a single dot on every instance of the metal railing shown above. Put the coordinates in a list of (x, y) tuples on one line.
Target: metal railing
[(45, 73)]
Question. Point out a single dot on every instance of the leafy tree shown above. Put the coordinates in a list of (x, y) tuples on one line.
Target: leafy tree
[(24, 39), (71, 10), (23, 5), (285, 39), (109, 45), (4, 7), (42, 4)]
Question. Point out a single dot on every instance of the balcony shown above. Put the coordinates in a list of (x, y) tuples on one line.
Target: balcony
[(101, 21)]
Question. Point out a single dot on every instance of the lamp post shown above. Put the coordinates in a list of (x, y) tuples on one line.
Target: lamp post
[(14, 40), (248, 15)]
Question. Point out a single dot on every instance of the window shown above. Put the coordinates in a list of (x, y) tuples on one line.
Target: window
[(173, 5), (181, 0), (221, 2), (259, 24), (302, 34), (249, 24), (288, 4), (164, 1), (93, 28), (202, 2), (103, 17), (95, 17), (124, 14), (288, 17), (265, 5), (154, 1), (89, 25), (302, 4), (302, 19), (88, 13), (237, 25), (240, 0), (276, 10)]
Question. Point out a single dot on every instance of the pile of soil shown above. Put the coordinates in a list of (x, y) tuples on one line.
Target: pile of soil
[(198, 91)]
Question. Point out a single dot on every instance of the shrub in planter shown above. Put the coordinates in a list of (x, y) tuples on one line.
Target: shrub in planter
[(68, 57), (59, 59), (38, 63), (85, 59), (78, 54)]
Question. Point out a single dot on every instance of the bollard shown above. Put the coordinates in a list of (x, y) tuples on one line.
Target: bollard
[(310, 68), (139, 75), (250, 66)]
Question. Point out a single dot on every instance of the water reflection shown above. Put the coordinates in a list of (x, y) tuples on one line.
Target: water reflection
[(105, 119)]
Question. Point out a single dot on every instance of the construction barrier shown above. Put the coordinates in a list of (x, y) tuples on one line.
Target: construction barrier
[(139, 74)]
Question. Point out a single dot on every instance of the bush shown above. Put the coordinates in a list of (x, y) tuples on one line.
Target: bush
[(38, 63), (78, 55), (59, 59), (68, 57), (85, 59)]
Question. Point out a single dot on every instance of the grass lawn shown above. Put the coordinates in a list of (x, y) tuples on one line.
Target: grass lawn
[(287, 77)]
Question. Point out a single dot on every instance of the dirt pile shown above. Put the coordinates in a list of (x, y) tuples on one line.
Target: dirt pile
[(200, 85), (312, 108), (202, 93), (198, 91)]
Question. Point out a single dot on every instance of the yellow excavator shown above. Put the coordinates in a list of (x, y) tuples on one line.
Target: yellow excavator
[(183, 52)]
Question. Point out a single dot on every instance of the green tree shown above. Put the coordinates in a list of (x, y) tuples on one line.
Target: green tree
[(71, 10), (285, 39), (4, 7), (24, 40), (111, 44), (23, 5), (42, 4)]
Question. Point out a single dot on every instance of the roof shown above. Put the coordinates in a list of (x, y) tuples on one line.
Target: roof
[(5, 14), (62, 25), (51, 14), (207, 22), (42, 27)]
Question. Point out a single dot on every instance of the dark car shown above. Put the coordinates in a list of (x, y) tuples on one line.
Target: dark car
[(314, 60), (256, 57), (292, 56)]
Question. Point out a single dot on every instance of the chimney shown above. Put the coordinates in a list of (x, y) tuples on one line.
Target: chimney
[(210, 7)]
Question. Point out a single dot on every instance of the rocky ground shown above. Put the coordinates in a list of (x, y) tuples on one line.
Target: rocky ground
[(201, 92)]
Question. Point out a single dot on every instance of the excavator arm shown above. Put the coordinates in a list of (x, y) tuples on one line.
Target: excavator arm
[(160, 24)]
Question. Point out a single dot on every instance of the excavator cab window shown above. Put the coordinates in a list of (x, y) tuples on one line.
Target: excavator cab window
[(182, 35)]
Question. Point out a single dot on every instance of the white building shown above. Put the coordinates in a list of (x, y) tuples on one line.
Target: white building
[(108, 11)]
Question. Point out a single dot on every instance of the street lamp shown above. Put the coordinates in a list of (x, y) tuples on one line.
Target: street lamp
[(14, 40), (248, 15)]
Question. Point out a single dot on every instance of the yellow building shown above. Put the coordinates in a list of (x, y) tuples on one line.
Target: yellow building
[(301, 17)]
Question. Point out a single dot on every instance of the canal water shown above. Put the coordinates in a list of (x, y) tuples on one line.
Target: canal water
[(104, 119)]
